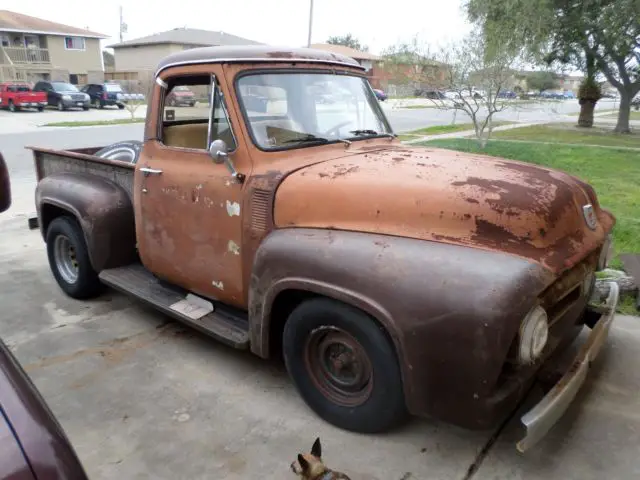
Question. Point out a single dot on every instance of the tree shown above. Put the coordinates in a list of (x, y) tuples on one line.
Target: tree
[(541, 81), (348, 40), (592, 35), (474, 75)]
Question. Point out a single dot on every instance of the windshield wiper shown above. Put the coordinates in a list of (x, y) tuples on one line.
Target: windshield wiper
[(307, 138), (369, 132)]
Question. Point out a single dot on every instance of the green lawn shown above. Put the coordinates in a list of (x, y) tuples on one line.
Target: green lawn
[(90, 123), (634, 115), (615, 174), (440, 129), (567, 133)]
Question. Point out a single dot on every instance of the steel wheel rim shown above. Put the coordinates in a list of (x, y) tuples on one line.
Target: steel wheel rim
[(65, 257), (339, 366), (60, 106)]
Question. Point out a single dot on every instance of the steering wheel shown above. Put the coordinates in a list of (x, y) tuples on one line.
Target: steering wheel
[(335, 128)]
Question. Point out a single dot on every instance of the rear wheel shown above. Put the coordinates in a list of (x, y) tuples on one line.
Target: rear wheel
[(12, 107), (344, 366), (41, 109), (69, 259)]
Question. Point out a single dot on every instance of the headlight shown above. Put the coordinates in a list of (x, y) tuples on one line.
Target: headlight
[(86, 97), (66, 97), (534, 333), (606, 253)]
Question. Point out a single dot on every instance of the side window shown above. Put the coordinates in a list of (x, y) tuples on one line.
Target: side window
[(188, 118)]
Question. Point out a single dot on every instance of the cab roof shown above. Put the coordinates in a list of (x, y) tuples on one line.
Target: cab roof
[(254, 54)]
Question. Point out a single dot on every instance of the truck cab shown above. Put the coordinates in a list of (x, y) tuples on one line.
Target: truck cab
[(284, 216)]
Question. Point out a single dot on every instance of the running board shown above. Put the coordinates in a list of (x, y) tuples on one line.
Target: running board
[(135, 280)]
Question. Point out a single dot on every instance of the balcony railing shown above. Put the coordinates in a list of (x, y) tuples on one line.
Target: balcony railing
[(19, 55)]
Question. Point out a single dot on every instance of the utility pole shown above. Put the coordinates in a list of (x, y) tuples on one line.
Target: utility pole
[(310, 22), (123, 26)]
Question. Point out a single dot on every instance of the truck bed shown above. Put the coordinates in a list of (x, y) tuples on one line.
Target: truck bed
[(82, 160)]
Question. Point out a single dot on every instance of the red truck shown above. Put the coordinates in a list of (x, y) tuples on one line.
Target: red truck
[(17, 95)]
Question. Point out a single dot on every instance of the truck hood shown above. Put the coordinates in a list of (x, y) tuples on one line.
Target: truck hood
[(452, 197)]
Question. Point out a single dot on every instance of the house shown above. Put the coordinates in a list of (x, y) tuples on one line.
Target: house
[(404, 73), (144, 54), (33, 49)]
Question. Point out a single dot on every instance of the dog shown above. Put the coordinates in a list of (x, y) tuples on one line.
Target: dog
[(310, 466)]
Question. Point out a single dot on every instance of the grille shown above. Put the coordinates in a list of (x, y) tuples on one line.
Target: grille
[(78, 97)]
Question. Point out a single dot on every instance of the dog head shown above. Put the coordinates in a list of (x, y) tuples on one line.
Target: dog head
[(309, 465)]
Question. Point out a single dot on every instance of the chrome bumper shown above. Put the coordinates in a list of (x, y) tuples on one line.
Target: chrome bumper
[(539, 420)]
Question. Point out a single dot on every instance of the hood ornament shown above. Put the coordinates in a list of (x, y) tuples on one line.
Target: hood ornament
[(590, 216)]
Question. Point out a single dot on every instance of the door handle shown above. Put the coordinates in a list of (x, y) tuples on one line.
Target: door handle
[(150, 171)]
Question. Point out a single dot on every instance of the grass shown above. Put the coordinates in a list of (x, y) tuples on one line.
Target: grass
[(627, 305), (634, 115), (91, 123), (440, 129), (615, 175), (566, 133)]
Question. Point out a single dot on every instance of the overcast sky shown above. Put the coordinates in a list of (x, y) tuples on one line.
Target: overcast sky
[(278, 22)]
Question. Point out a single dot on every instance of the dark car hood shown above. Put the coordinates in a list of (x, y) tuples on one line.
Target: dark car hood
[(43, 441)]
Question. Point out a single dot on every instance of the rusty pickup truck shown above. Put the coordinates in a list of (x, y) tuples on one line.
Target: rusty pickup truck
[(393, 280)]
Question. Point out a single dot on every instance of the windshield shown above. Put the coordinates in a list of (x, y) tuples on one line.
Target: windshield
[(285, 110), (63, 87), (181, 88), (113, 87)]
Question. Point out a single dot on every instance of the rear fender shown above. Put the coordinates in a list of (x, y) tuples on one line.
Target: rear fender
[(101, 207)]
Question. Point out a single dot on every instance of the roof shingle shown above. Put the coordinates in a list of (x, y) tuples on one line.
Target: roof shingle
[(25, 23)]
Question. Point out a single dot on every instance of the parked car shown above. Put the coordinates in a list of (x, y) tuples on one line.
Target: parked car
[(33, 445), (63, 95), (316, 235), (105, 94), (181, 96), (380, 95), (507, 94), (17, 96), (635, 103)]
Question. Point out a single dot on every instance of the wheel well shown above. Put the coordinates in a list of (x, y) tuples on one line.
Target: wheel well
[(49, 213), (281, 308), (287, 301)]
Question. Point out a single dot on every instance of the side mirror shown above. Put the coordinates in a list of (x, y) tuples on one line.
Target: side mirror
[(218, 151)]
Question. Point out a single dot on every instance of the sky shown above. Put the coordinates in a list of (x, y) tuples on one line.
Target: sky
[(375, 23)]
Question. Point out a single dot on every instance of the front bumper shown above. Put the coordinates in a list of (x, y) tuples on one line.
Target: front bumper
[(75, 103), (539, 420), (31, 104)]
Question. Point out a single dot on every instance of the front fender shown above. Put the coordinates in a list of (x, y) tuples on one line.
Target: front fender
[(452, 311), (102, 208)]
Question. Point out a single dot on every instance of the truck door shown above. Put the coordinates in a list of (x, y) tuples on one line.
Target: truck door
[(188, 215)]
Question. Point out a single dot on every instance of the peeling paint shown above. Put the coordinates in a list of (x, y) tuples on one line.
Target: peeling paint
[(233, 208), (233, 247), (218, 285)]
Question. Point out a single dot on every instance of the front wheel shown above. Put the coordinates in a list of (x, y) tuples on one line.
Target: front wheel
[(344, 366), (69, 259), (12, 107), (60, 106)]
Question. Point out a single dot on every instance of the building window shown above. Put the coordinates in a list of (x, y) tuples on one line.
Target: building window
[(74, 43), (4, 40)]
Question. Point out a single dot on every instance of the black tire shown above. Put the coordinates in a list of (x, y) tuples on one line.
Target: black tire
[(86, 283), (376, 407), (128, 151), (12, 107), (120, 106), (61, 106), (41, 109), (85, 108)]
